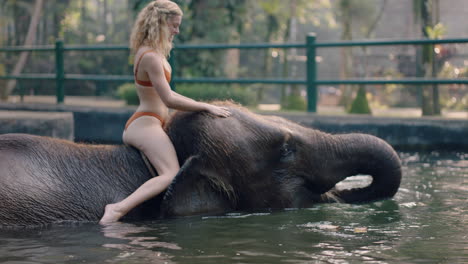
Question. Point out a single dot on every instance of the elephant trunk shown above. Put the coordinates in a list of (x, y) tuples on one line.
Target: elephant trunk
[(361, 154)]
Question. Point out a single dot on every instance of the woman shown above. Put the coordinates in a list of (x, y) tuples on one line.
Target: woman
[(151, 40)]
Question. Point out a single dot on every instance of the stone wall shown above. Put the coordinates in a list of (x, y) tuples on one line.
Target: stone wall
[(52, 124), (101, 125)]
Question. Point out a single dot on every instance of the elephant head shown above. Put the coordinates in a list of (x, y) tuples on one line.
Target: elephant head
[(252, 161)]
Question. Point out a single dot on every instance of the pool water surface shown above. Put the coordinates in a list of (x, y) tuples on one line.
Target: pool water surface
[(426, 222)]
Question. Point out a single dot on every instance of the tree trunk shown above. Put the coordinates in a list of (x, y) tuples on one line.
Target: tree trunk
[(285, 65), (104, 18), (293, 52), (427, 108), (360, 104), (232, 58), (346, 53), (435, 70), (84, 28), (30, 37), (425, 9), (267, 58), (290, 70)]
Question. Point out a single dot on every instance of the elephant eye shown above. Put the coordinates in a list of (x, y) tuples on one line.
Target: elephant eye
[(286, 152)]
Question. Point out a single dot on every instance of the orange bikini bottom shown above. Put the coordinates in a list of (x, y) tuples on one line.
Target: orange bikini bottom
[(140, 114)]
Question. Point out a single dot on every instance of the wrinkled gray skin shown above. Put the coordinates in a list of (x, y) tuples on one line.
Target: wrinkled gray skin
[(243, 162)]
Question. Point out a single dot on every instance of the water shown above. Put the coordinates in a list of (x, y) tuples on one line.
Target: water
[(426, 222)]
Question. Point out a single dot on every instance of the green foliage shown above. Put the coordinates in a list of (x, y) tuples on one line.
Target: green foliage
[(360, 104), (436, 32), (209, 21), (209, 92), (454, 97), (294, 102), (128, 92)]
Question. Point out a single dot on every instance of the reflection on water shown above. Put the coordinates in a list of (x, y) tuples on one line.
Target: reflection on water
[(137, 245), (426, 222)]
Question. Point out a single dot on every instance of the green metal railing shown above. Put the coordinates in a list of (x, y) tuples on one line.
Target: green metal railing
[(311, 81)]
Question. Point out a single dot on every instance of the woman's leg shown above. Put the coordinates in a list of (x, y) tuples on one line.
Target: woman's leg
[(146, 134)]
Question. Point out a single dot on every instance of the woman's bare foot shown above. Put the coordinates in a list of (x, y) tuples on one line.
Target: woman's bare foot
[(111, 214)]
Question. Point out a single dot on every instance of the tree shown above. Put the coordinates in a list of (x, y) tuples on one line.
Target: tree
[(199, 27), (356, 14), (16, 17), (278, 21), (344, 16), (426, 18), (30, 37)]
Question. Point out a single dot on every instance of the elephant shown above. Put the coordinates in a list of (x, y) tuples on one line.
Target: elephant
[(247, 161)]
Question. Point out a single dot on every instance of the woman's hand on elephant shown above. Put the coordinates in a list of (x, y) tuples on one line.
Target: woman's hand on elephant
[(218, 111)]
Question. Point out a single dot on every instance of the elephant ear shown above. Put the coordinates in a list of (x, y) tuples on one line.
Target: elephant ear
[(193, 191)]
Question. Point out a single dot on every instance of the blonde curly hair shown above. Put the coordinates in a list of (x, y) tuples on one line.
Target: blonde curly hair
[(151, 27)]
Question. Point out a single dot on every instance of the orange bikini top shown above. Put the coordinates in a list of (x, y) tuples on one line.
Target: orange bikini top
[(148, 83)]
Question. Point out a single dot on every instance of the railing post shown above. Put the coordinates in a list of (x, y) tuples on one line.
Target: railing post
[(311, 74), (59, 71)]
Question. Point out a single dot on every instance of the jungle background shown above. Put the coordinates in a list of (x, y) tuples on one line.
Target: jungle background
[(105, 22)]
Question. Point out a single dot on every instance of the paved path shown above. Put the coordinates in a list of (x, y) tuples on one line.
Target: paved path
[(322, 110)]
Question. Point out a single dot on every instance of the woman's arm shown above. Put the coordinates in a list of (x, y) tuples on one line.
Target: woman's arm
[(184, 98), (154, 67)]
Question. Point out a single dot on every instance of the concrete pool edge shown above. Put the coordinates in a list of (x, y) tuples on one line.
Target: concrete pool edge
[(105, 125), (52, 124), (423, 133)]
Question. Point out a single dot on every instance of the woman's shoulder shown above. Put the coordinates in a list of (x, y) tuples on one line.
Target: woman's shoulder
[(144, 52), (148, 56)]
